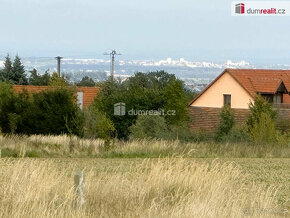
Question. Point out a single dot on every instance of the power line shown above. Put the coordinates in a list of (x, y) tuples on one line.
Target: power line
[(112, 57)]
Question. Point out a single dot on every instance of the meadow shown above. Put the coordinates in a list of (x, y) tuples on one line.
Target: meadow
[(148, 178)]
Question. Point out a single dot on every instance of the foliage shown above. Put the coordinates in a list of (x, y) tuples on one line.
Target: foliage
[(97, 125), (259, 107), (261, 122), (49, 112), (149, 127), (236, 134), (18, 73), (227, 121), (151, 91), (189, 94), (13, 72), (57, 81), (5, 74), (264, 130), (86, 81), (39, 80), (56, 112), (175, 101)]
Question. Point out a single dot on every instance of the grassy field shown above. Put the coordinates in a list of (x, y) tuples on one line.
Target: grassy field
[(142, 178), (166, 187)]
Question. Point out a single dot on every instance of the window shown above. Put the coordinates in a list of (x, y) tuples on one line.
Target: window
[(278, 99), (227, 100)]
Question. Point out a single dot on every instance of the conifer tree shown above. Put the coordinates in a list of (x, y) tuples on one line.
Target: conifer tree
[(18, 72), (5, 74)]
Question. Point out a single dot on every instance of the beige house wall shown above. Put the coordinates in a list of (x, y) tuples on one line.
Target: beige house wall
[(214, 95)]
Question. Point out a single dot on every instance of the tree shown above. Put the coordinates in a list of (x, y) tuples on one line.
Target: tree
[(175, 102), (144, 91), (37, 79), (261, 121), (86, 81), (57, 81), (226, 123), (257, 108), (5, 74), (18, 75)]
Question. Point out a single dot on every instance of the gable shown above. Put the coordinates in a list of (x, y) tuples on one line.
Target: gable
[(225, 84)]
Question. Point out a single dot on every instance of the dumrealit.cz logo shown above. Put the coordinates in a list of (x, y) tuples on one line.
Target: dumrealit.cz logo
[(261, 8), (240, 8), (119, 109)]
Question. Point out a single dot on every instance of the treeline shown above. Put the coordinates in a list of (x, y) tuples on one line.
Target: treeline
[(14, 73), (55, 111)]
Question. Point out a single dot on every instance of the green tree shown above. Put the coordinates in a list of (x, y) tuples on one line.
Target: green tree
[(57, 81), (257, 108), (261, 121), (97, 125), (37, 79), (5, 74), (18, 75), (227, 122), (144, 91), (86, 81), (175, 102)]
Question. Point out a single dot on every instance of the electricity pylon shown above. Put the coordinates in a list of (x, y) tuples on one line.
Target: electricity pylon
[(112, 57)]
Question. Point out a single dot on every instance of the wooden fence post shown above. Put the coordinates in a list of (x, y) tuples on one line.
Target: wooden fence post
[(79, 187)]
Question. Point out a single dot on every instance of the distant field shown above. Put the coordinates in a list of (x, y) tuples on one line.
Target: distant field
[(136, 187)]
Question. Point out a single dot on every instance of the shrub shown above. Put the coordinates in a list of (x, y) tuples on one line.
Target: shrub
[(259, 107), (261, 122), (149, 127), (50, 112), (264, 130), (97, 125), (226, 123), (237, 134), (56, 112)]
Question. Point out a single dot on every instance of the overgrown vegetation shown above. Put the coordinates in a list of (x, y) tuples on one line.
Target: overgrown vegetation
[(149, 188), (154, 91), (261, 127), (72, 146), (53, 111)]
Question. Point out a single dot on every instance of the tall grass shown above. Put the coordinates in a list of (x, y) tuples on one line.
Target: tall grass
[(169, 187), (72, 146)]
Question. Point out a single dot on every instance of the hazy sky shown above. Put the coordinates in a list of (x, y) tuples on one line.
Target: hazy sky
[(193, 29)]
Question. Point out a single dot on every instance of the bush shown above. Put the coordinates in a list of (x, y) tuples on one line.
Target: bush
[(226, 123), (261, 122), (97, 125), (149, 127), (50, 112), (236, 134), (264, 130), (259, 107), (56, 112)]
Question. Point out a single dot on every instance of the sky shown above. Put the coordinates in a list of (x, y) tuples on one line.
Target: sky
[(147, 29)]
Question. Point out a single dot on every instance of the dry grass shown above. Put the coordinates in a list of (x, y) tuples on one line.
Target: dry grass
[(64, 146), (170, 187)]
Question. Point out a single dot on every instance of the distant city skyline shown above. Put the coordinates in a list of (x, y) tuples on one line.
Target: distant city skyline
[(190, 29)]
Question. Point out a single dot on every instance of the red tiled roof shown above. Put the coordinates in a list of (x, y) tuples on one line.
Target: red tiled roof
[(257, 81), (261, 81), (89, 93)]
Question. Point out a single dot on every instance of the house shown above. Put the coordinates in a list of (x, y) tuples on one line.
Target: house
[(237, 88), (85, 95)]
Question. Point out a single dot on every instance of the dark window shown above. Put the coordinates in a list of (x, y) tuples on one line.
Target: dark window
[(227, 100)]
